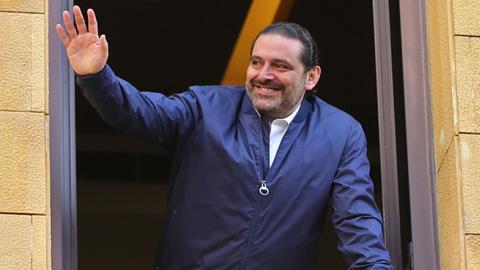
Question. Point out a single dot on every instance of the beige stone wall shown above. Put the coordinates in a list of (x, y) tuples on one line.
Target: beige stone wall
[(454, 52), (24, 180)]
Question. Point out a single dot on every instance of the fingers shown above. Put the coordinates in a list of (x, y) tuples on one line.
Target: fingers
[(92, 22), (72, 32), (79, 21), (62, 35)]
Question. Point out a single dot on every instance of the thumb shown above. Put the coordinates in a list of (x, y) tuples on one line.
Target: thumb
[(104, 44)]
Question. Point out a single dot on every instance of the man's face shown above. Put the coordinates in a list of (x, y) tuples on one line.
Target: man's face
[(276, 79)]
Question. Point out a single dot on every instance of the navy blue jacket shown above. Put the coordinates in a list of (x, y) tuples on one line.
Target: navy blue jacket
[(217, 219)]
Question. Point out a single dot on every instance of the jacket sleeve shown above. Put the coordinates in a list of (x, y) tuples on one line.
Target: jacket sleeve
[(147, 114), (356, 218)]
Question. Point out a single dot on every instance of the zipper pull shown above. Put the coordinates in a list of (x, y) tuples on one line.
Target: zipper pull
[(263, 188)]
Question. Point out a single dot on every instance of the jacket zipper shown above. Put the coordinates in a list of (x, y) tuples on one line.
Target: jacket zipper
[(263, 188)]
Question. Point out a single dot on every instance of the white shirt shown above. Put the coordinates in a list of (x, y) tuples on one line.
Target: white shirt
[(278, 128)]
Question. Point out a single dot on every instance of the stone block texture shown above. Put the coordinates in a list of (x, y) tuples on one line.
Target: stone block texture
[(22, 62), (472, 247), (441, 49), (24, 180), (449, 199), (15, 242), (467, 21), (470, 165), (23, 242), (30, 6), (468, 83), (472, 243), (22, 162), (39, 254)]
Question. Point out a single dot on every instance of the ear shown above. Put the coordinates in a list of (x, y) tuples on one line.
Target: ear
[(313, 75)]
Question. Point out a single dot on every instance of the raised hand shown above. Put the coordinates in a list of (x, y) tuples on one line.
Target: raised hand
[(86, 51)]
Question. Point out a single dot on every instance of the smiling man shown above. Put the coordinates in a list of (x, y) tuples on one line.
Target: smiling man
[(253, 166)]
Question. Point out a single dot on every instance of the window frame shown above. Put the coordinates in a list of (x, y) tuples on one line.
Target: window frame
[(419, 129), (62, 146), (387, 131)]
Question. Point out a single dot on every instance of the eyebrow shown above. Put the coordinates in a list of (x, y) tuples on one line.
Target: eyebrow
[(275, 60), (283, 61)]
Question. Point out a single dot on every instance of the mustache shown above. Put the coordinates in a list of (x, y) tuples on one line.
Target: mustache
[(268, 84)]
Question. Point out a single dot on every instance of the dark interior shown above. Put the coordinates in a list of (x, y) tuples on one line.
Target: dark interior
[(165, 46)]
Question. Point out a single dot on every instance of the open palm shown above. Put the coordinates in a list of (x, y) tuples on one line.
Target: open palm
[(86, 51)]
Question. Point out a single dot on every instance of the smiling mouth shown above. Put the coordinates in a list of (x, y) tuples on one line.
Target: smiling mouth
[(267, 89)]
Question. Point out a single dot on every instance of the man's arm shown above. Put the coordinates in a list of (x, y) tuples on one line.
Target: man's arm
[(356, 218), (147, 114), (150, 115)]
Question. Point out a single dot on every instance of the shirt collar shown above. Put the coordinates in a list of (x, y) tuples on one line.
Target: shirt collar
[(289, 118)]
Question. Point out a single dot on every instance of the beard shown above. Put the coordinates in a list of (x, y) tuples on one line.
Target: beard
[(276, 101)]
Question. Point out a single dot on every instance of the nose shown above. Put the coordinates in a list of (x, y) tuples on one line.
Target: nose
[(266, 73)]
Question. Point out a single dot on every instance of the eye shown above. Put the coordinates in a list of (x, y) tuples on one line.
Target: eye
[(281, 67), (256, 62)]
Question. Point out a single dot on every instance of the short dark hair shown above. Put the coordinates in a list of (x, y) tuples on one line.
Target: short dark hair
[(309, 56)]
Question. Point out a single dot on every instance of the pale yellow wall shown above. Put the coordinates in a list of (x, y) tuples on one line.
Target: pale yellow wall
[(467, 59), (454, 53), (24, 180)]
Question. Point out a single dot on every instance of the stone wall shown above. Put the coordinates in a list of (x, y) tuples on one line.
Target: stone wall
[(24, 180), (454, 52)]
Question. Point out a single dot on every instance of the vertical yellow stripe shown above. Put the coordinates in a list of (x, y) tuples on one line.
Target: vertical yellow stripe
[(260, 14)]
